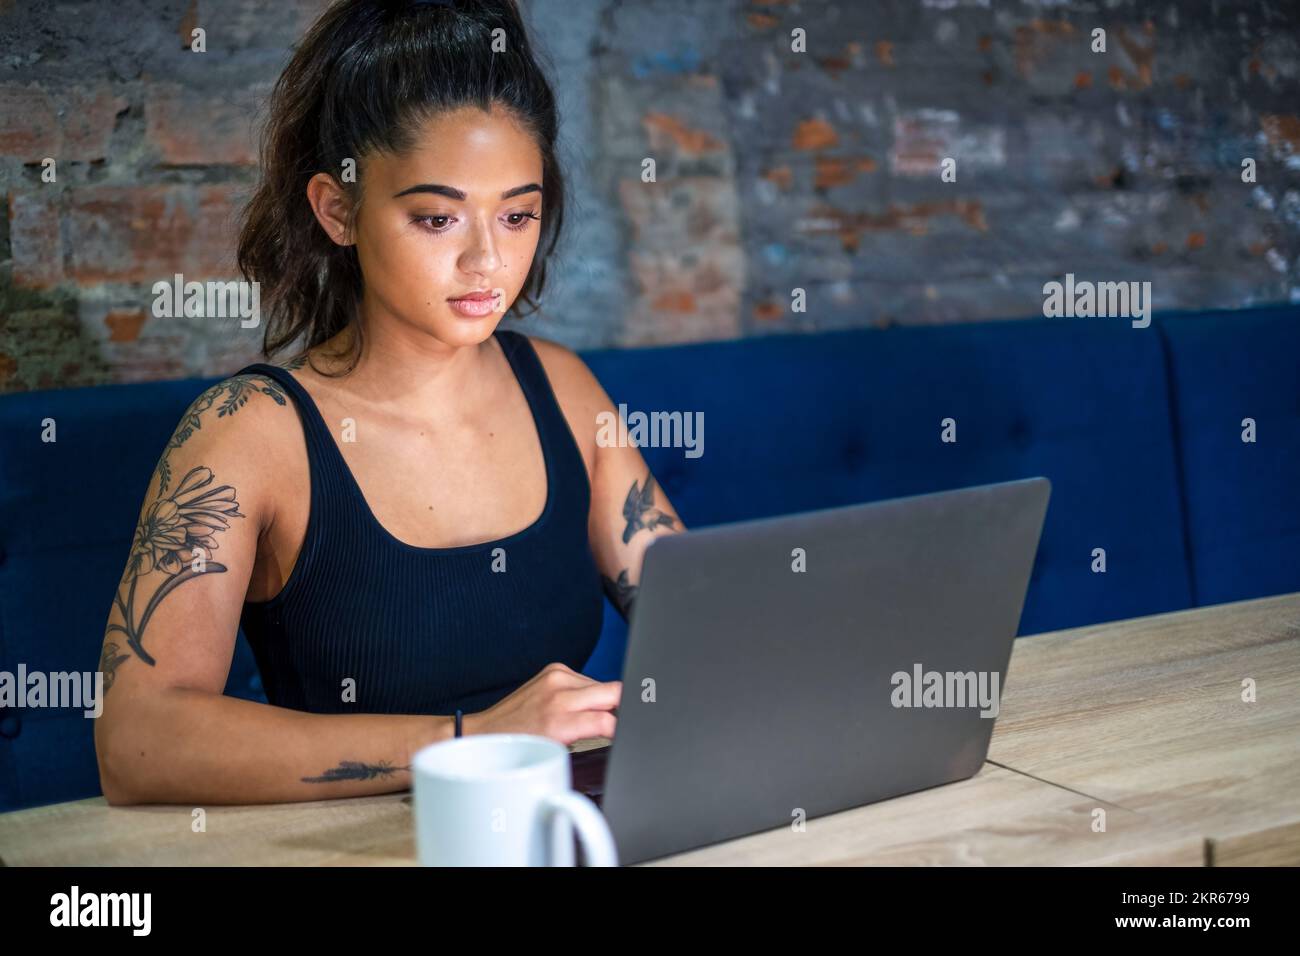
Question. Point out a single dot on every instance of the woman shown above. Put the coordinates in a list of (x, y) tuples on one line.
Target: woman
[(413, 514)]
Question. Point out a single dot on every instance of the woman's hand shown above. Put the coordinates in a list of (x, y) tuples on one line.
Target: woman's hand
[(558, 703)]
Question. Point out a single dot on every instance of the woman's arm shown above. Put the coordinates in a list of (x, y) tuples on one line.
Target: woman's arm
[(628, 508), (198, 747), (628, 511), (167, 734)]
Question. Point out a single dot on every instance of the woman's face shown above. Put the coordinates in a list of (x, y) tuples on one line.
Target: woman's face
[(458, 214)]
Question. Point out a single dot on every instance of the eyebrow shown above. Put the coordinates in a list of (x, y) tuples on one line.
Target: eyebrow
[(451, 192)]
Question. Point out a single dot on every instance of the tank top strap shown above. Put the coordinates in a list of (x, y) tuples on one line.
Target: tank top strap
[(553, 427), (325, 460)]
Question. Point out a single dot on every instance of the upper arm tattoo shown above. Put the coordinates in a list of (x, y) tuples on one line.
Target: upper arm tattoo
[(176, 533), (167, 537), (640, 512), (233, 393)]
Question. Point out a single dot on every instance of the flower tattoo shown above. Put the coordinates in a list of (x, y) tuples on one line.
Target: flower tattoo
[(165, 541)]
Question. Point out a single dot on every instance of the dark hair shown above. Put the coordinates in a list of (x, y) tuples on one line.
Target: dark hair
[(364, 78)]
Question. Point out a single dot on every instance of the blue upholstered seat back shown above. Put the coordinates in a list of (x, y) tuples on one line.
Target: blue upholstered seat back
[(1243, 498), (800, 422), (1138, 430)]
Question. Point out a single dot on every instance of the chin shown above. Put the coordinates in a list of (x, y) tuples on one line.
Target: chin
[(458, 330)]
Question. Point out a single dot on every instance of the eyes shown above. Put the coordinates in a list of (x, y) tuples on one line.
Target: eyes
[(438, 224)]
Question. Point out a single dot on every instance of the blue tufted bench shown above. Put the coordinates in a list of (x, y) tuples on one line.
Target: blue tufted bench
[(1242, 500), (1138, 430)]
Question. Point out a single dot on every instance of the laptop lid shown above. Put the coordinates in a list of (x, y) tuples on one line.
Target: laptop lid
[(790, 667)]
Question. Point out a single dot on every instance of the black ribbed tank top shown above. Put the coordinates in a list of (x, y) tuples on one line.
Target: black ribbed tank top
[(428, 630)]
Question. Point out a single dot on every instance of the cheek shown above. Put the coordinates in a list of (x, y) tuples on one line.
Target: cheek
[(518, 255), (404, 257)]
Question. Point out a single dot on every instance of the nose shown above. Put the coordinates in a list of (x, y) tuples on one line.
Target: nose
[(480, 254)]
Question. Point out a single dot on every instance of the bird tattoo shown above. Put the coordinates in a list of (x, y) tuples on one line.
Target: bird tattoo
[(640, 512)]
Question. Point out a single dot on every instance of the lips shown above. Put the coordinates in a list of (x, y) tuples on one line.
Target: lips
[(475, 305)]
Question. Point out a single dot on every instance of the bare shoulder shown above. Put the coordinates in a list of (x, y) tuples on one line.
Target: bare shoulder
[(249, 399), (568, 373), (578, 391), (245, 416)]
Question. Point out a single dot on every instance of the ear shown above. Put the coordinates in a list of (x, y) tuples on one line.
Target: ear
[(331, 205)]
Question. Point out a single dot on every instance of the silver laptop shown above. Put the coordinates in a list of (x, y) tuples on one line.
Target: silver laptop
[(785, 668)]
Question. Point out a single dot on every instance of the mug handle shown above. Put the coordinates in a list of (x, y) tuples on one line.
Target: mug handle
[(593, 831)]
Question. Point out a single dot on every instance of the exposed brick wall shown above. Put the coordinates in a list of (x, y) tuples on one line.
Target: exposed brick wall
[(155, 148), (775, 170)]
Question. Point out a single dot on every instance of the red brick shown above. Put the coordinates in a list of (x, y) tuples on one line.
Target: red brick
[(89, 118), (815, 134), (34, 239), (124, 324), (47, 349), (924, 138), (196, 127), (667, 132), (135, 346), (685, 259), (75, 123), (189, 20), (156, 351), (148, 233), (29, 128)]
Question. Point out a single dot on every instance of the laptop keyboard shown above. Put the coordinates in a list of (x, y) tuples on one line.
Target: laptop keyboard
[(588, 769)]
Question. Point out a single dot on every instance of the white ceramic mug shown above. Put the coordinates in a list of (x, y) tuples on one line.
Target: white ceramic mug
[(503, 800)]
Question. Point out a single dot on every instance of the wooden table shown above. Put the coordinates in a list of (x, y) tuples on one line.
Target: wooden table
[(1142, 719), (1150, 716)]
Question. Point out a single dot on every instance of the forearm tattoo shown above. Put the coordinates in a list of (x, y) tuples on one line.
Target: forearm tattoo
[(640, 512), (621, 593), (177, 528), (355, 770)]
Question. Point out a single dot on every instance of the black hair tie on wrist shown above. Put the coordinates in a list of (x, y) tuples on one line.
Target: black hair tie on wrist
[(458, 717)]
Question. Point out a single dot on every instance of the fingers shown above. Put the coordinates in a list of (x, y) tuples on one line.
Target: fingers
[(595, 696), (582, 706), (590, 723)]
